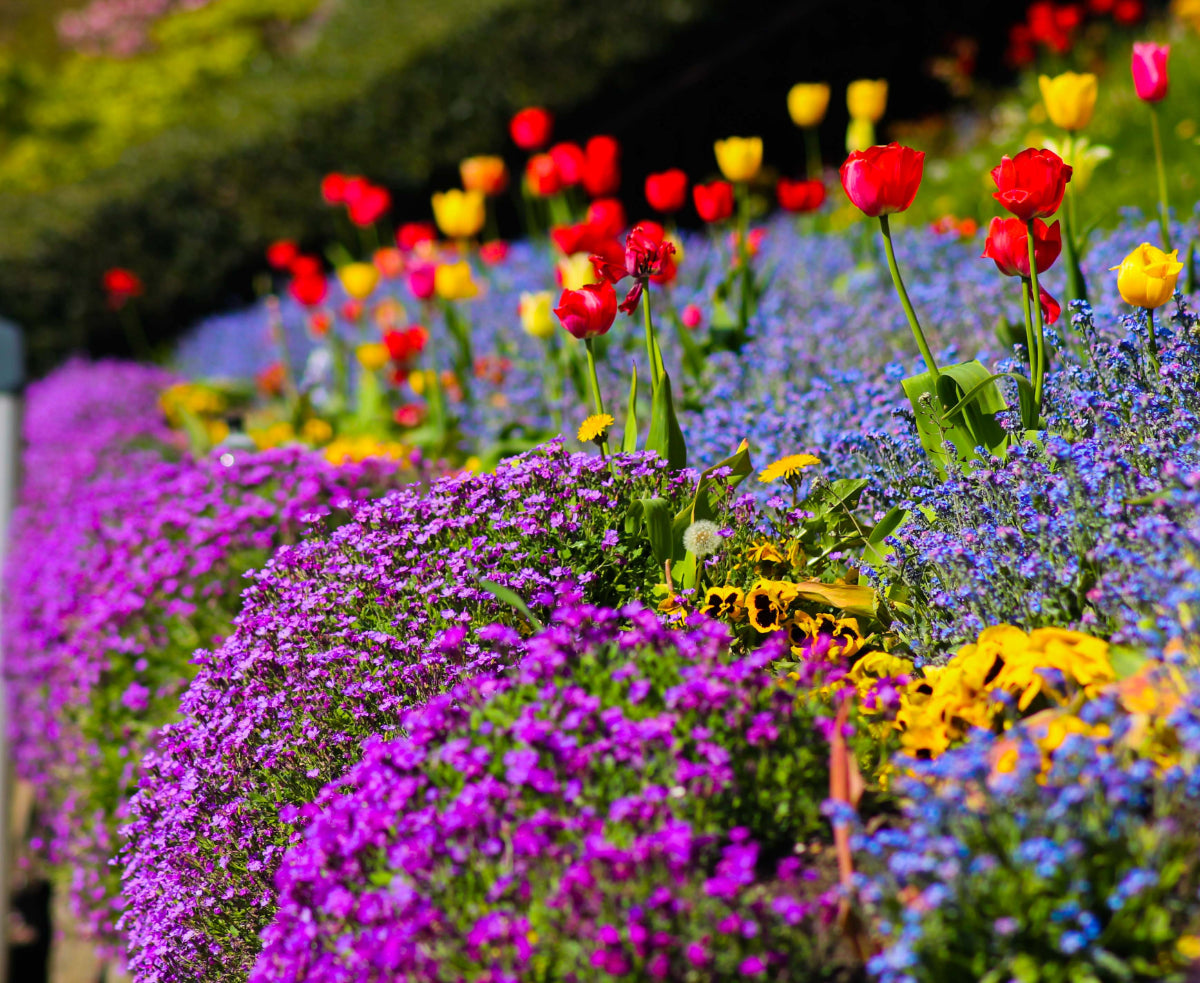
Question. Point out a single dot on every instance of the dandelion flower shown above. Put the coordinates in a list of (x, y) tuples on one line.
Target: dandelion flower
[(788, 466), (702, 538), (595, 427)]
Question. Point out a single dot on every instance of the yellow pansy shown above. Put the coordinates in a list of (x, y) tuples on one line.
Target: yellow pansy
[(1070, 98), (459, 214), (807, 102), (739, 158), (1147, 276), (867, 99)]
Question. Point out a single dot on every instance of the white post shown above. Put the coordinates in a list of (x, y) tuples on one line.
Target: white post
[(12, 381)]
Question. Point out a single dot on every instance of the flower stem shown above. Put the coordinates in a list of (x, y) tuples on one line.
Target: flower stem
[(1162, 180), (913, 323), (743, 248), (1040, 336), (597, 399), (812, 152), (1030, 344), (651, 347), (1153, 345)]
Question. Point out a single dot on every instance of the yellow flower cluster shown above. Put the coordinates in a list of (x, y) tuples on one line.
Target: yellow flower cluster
[(943, 706), (362, 447), (190, 397)]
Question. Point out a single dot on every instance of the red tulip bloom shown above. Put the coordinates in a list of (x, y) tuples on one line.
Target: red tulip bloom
[(421, 280), (883, 180), (282, 253), (494, 252), (570, 161), (1032, 184), (1149, 67), (412, 234), (309, 289), (646, 255), (1128, 12), (1051, 308), (800, 196), (369, 205), (582, 237), (602, 166), (333, 188), (403, 346), (121, 284), (714, 202), (589, 311), (1008, 245), (531, 127), (607, 216), (541, 175), (667, 191), (305, 266)]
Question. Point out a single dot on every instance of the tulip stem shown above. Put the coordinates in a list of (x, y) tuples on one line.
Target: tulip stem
[(1030, 344), (597, 399), (913, 323), (1040, 336), (812, 152), (1163, 212), (1153, 345), (743, 249), (651, 347)]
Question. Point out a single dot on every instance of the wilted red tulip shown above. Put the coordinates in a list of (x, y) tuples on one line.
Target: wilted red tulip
[(647, 255), (667, 192), (1051, 308), (607, 216), (714, 202), (412, 234), (1032, 184), (570, 160), (333, 188), (422, 280), (883, 180), (121, 284), (1008, 245), (309, 289), (541, 175), (800, 196), (530, 128), (1149, 66), (282, 253), (589, 311), (368, 205), (602, 166), (494, 252)]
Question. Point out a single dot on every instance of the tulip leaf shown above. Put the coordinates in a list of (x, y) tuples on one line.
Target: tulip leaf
[(653, 516), (630, 439), (666, 438), (874, 552), (514, 600), (944, 414), (855, 599)]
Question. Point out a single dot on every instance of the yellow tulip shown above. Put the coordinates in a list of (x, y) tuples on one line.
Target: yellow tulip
[(459, 214), (453, 281), (1070, 99), (867, 99), (536, 315), (739, 157), (860, 135), (576, 271), (359, 279), (372, 356), (807, 103), (1147, 276), (485, 174)]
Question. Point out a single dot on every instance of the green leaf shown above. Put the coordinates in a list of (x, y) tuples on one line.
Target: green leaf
[(665, 437), (1126, 660), (977, 391), (656, 516), (974, 424), (197, 434), (630, 439), (514, 600), (874, 552)]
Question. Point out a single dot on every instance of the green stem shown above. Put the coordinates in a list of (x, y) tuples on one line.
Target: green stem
[(1153, 345), (597, 399), (913, 323), (1030, 344), (651, 346), (743, 244), (1040, 336), (812, 151), (1162, 180)]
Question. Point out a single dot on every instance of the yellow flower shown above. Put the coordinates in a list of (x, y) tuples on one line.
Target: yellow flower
[(739, 157), (316, 431), (361, 448), (767, 604), (867, 99), (1070, 98), (577, 271), (459, 214), (1188, 946), (764, 553), (860, 135), (372, 356), (189, 397), (807, 102), (1084, 157), (453, 281), (595, 428), (273, 436), (1187, 11), (485, 174), (1147, 276), (724, 604), (537, 317), (359, 279), (787, 467)]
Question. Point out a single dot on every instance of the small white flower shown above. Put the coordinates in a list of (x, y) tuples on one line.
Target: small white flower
[(702, 538)]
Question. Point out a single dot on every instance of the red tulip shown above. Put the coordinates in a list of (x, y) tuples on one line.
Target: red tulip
[(883, 180), (1051, 308), (305, 266), (602, 166), (121, 284), (714, 202), (570, 160), (494, 252), (1008, 245), (333, 188), (1149, 67), (646, 256), (282, 253), (369, 205), (667, 191), (691, 317), (583, 237), (541, 175), (531, 127), (421, 280), (310, 289), (405, 345), (353, 188), (1032, 184), (589, 311), (800, 196), (412, 234), (1128, 12), (607, 216)]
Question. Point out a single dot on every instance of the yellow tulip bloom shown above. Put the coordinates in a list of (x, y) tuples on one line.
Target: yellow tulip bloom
[(576, 271), (739, 157), (537, 316), (453, 281), (807, 103), (359, 279), (372, 356), (867, 99), (1147, 276), (1070, 99), (459, 214)]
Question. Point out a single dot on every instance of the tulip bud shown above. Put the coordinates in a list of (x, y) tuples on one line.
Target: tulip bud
[(576, 271), (282, 253), (542, 177), (739, 158), (883, 180), (714, 202), (589, 311), (1147, 276), (570, 161), (1070, 99), (667, 192), (459, 214), (530, 128), (1149, 66), (535, 310), (358, 279), (1032, 184), (800, 196), (421, 280), (807, 103), (601, 167), (867, 99)]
